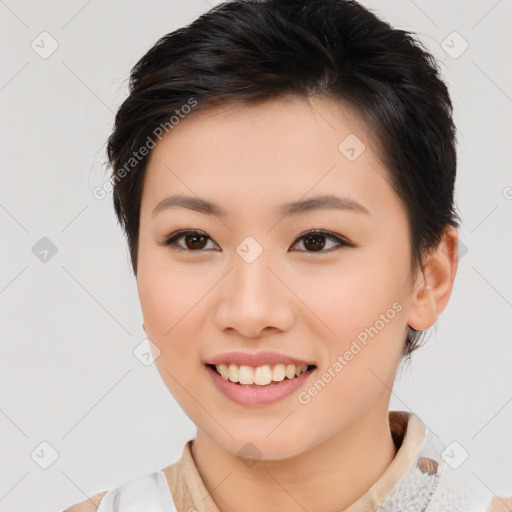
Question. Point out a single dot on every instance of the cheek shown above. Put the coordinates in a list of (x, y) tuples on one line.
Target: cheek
[(167, 293), (168, 318), (170, 298), (347, 298), (158, 306)]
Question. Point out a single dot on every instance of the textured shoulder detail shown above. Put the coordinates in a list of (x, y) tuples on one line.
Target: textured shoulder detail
[(500, 504), (89, 505)]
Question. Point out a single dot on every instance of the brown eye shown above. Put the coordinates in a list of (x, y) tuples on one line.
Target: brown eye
[(315, 241), (193, 240)]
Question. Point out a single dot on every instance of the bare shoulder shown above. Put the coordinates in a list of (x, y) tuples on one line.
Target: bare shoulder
[(88, 505), (500, 504)]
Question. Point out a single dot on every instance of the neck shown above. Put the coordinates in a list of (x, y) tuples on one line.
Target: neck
[(338, 471)]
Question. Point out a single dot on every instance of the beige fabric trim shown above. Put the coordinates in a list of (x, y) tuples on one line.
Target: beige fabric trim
[(188, 489), (500, 504), (186, 485), (88, 505)]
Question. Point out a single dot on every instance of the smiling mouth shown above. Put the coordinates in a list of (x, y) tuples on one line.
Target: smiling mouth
[(260, 376)]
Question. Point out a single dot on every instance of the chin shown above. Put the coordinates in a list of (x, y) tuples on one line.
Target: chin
[(257, 446)]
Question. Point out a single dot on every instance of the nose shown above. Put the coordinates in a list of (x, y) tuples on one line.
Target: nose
[(254, 301)]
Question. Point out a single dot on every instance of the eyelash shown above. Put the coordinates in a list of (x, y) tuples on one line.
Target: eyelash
[(171, 241)]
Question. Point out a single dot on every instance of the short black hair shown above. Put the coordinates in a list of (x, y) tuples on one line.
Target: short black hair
[(255, 50)]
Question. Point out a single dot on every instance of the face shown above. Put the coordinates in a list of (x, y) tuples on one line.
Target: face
[(245, 275)]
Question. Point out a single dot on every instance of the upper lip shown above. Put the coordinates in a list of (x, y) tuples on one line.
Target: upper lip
[(257, 359)]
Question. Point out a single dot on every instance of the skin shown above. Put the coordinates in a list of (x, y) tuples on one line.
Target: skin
[(292, 299)]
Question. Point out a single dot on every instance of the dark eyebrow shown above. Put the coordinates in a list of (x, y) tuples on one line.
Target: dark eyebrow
[(322, 203), (191, 203), (293, 208)]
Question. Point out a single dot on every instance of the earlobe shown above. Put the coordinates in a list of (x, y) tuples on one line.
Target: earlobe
[(424, 310), (433, 288)]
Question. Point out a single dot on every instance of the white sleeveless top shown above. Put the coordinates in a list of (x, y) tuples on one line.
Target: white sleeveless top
[(148, 493)]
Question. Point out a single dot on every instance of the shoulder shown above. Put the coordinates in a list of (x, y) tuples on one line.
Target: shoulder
[(500, 504), (160, 485), (146, 492), (89, 505)]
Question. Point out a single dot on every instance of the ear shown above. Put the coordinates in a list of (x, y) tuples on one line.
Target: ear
[(434, 284)]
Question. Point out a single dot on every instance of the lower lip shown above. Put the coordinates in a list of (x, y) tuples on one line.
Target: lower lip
[(245, 395)]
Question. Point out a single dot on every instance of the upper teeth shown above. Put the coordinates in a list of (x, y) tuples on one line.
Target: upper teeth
[(260, 375)]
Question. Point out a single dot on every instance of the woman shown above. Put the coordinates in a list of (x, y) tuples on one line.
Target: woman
[(284, 172)]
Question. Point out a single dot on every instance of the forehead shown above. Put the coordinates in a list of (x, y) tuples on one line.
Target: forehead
[(277, 150)]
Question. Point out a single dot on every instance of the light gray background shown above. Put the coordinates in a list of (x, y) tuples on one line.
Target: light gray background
[(68, 375)]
